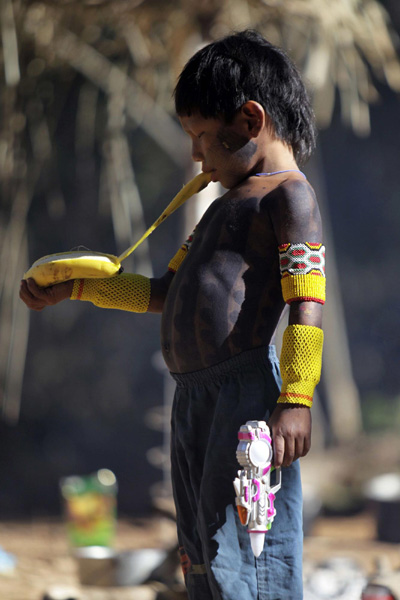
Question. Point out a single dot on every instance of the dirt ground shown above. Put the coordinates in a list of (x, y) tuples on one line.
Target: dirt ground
[(44, 563)]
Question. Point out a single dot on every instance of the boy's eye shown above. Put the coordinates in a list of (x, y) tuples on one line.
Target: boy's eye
[(200, 134)]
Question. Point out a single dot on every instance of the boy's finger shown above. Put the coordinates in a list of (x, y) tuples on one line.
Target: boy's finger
[(302, 447), (298, 448), (279, 450), (24, 292), (289, 452), (307, 446), (30, 300), (36, 291), (32, 286)]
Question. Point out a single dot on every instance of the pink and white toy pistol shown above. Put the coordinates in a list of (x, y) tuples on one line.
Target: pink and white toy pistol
[(255, 494)]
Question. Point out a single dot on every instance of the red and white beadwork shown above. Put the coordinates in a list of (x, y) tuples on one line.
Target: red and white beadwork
[(302, 268), (302, 258)]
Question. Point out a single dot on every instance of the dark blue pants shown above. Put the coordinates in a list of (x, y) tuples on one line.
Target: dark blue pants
[(209, 408)]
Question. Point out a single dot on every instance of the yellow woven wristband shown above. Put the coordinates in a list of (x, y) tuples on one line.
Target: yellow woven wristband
[(300, 363), (125, 292)]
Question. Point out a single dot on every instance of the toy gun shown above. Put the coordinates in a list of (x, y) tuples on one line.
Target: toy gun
[(255, 494)]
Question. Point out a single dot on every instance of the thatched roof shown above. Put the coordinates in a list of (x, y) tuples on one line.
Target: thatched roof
[(338, 45)]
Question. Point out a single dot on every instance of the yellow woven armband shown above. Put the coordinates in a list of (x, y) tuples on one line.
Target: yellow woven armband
[(179, 257), (301, 359), (125, 292), (303, 272)]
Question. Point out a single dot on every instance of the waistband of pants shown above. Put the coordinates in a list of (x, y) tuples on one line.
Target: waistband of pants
[(261, 357)]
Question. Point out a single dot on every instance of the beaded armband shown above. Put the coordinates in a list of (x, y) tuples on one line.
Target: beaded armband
[(179, 257), (125, 292), (300, 363), (302, 268)]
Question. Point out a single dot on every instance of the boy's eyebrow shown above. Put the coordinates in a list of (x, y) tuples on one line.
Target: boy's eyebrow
[(188, 130)]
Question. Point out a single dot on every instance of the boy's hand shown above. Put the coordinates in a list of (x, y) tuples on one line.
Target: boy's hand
[(37, 298), (290, 426)]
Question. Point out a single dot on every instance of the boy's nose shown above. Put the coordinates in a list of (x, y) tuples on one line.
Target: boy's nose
[(197, 156)]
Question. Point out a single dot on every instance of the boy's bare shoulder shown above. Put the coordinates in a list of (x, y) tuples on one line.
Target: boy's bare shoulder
[(288, 194), (290, 207), (294, 211), (292, 195)]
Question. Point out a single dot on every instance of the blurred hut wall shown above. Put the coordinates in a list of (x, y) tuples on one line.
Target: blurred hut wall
[(86, 121)]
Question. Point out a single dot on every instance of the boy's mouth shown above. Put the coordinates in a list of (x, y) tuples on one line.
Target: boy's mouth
[(213, 174)]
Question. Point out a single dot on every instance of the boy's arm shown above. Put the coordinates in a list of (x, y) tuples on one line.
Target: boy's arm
[(297, 224), (127, 291), (37, 298), (159, 289), (290, 423)]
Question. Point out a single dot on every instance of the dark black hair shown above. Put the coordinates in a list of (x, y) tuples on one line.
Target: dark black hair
[(244, 66)]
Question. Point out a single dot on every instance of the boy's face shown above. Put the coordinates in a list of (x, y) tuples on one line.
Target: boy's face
[(229, 151)]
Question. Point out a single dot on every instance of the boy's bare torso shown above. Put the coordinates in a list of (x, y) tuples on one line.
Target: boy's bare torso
[(226, 296)]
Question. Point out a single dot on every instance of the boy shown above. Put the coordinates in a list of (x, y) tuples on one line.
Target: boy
[(244, 106)]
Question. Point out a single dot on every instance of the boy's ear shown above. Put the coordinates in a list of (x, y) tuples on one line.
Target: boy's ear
[(255, 117)]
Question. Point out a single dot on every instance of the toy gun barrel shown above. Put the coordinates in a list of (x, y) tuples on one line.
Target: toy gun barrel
[(255, 493)]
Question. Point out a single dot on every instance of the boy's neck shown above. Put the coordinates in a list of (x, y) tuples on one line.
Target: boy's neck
[(275, 155)]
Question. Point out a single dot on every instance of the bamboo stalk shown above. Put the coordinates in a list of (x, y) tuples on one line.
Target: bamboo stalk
[(18, 343), (126, 204), (141, 108), (10, 44)]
